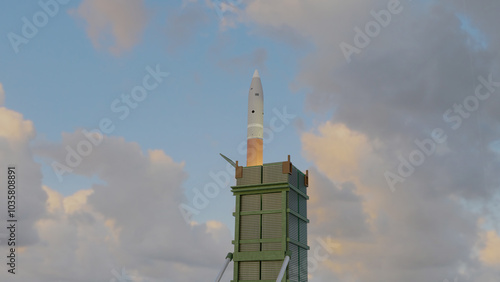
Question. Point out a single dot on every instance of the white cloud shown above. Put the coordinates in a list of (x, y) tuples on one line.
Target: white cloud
[(14, 129), (121, 20), (324, 22), (15, 136), (336, 149), (378, 235), (490, 254), (132, 221)]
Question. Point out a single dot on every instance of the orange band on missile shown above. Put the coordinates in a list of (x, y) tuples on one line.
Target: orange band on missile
[(254, 151)]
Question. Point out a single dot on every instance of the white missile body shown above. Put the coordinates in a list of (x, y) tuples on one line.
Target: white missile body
[(255, 127)]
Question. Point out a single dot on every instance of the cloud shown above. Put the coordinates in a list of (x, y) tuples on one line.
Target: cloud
[(14, 129), (116, 25), (490, 254), (15, 135), (335, 205), (131, 221), (341, 149), (377, 235), (483, 17), (321, 22)]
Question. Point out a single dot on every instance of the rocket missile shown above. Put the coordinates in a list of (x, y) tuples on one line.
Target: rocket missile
[(255, 127)]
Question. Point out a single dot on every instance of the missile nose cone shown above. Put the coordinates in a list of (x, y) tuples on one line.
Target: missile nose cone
[(256, 74)]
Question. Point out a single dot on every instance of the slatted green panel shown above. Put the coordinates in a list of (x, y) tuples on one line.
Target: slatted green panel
[(271, 201), (293, 265), (251, 247), (302, 232), (271, 246), (303, 265), (270, 269), (271, 225), (293, 203), (249, 270), (292, 178), (293, 227), (301, 184), (250, 227), (251, 176), (273, 174), (250, 203), (303, 206)]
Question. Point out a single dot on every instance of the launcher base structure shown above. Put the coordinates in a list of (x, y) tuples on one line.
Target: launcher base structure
[(270, 223)]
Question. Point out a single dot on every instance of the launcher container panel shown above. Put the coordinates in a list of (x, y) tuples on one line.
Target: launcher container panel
[(271, 222)]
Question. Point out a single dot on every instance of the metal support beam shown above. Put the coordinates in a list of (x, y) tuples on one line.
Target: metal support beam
[(229, 257), (283, 268)]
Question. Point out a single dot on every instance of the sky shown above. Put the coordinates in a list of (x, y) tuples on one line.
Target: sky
[(114, 113)]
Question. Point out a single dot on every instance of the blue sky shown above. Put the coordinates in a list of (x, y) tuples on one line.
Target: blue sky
[(355, 120)]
